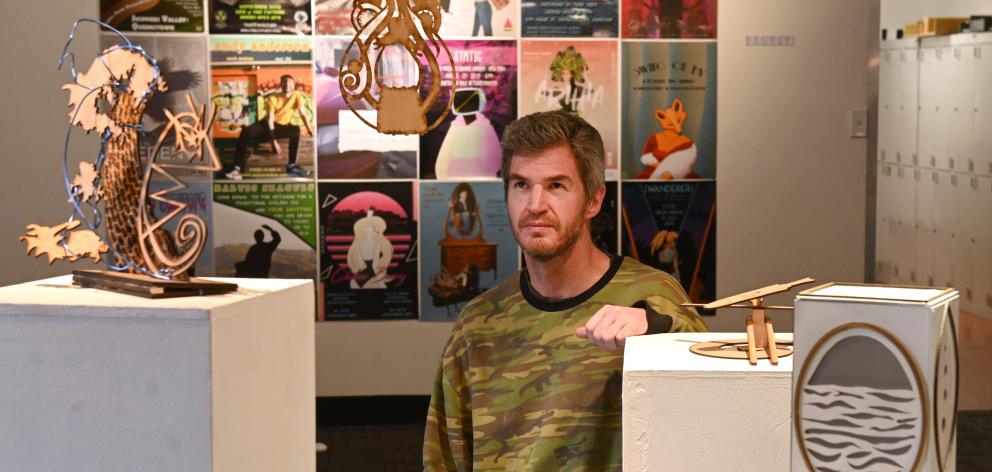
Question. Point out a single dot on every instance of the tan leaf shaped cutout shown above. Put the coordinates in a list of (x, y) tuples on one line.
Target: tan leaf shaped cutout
[(129, 68), (84, 182), (48, 240)]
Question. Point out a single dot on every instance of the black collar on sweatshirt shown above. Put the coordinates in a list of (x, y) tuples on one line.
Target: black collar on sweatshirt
[(552, 304)]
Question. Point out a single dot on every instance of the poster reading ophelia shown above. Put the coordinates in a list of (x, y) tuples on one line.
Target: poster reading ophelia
[(668, 111), (671, 226), (578, 77), (368, 250)]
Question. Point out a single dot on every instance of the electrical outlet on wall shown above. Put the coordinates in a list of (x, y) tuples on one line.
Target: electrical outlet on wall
[(859, 123)]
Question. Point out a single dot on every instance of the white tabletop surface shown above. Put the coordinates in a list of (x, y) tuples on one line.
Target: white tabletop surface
[(670, 352), (42, 296)]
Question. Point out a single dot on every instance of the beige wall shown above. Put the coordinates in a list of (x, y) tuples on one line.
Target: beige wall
[(791, 193)]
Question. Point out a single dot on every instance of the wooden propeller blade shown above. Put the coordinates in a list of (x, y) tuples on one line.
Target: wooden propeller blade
[(759, 293), (743, 305)]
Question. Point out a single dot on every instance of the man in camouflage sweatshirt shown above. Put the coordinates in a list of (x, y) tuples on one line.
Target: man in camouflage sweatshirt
[(530, 377)]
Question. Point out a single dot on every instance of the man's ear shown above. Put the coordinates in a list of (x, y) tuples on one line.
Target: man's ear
[(596, 202)]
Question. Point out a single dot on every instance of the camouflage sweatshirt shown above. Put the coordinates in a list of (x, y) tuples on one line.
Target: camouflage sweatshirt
[(517, 390)]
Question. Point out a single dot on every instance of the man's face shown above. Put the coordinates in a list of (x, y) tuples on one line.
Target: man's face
[(290, 86), (547, 203)]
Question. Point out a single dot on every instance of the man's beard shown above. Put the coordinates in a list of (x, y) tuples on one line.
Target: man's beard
[(545, 251)]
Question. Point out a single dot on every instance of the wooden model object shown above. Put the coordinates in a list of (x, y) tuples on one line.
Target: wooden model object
[(760, 342), (385, 28), (110, 99)]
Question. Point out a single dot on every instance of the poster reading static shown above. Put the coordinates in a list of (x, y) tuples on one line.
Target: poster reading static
[(668, 114), (578, 77), (263, 117), (265, 230), (159, 16), (467, 142), (182, 63), (669, 19), (260, 17), (368, 250), (570, 18), (347, 148), (467, 245), (198, 199), (671, 226)]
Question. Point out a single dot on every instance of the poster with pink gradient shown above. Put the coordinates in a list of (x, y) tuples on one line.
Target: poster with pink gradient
[(467, 141), (578, 77), (668, 19), (368, 250)]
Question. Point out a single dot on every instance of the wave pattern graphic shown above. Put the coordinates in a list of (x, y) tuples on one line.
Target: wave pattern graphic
[(870, 429)]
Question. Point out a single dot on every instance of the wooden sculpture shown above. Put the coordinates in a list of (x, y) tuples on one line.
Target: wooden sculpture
[(760, 342), (109, 99), (385, 28)]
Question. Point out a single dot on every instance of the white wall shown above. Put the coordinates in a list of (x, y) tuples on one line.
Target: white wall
[(791, 181), (32, 124)]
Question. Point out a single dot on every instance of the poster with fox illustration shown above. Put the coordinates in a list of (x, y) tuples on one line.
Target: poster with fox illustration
[(668, 111)]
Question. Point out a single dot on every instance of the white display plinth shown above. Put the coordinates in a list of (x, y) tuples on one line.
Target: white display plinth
[(683, 411), (97, 381)]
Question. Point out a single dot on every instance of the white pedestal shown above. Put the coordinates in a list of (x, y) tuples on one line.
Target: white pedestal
[(98, 381), (875, 385), (682, 411)]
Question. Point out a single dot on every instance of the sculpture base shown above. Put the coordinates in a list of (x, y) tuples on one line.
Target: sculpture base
[(148, 287), (735, 349)]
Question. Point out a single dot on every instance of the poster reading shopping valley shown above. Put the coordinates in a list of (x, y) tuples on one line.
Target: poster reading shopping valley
[(578, 77), (368, 250), (671, 226), (668, 114), (158, 16), (265, 230), (467, 244)]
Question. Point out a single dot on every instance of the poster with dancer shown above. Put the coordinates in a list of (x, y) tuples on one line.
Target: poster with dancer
[(467, 244), (198, 198), (368, 252), (265, 229), (160, 16), (668, 110), (347, 148), (570, 18), (182, 63), (671, 226), (467, 142), (263, 123), (260, 17), (578, 77), (669, 18)]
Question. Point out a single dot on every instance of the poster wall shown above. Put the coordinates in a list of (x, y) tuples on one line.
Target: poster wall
[(308, 189), (368, 250), (578, 77), (265, 229), (467, 244), (671, 226), (668, 110), (467, 142)]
